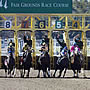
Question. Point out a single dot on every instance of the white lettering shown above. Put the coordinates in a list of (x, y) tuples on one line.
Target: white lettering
[(30, 5), (46, 5), (56, 5), (15, 4)]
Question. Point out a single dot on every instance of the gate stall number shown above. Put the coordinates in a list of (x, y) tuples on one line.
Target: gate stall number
[(41, 24), (7, 24), (58, 24)]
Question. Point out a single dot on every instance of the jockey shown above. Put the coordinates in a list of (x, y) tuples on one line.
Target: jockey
[(44, 49), (73, 49), (79, 43), (27, 46), (45, 42), (64, 51), (11, 47)]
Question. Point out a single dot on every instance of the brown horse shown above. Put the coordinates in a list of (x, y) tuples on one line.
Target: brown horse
[(44, 64)]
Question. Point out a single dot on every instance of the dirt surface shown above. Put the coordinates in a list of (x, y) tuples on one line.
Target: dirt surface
[(33, 83)]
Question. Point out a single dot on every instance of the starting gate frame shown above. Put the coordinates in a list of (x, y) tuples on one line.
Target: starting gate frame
[(16, 27)]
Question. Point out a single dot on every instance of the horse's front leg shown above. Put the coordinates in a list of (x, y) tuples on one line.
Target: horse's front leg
[(55, 73), (24, 73), (56, 68), (77, 73), (5, 72), (14, 71), (74, 72), (64, 72), (48, 73), (83, 71), (21, 72), (60, 73)]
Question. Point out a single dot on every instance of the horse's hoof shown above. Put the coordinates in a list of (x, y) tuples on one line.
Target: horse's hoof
[(54, 76), (27, 76), (44, 75), (77, 77), (59, 76), (22, 76), (48, 76), (84, 77), (38, 76), (5, 76), (74, 76)]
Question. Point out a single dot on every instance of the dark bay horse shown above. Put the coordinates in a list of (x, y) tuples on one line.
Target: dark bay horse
[(44, 64), (9, 63), (63, 63), (26, 63), (76, 62)]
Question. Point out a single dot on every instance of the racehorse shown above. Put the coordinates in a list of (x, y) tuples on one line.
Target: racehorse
[(62, 63), (5, 64), (44, 64), (26, 62), (76, 62), (9, 63)]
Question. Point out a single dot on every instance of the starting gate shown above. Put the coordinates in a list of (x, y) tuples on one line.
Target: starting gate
[(45, 22)]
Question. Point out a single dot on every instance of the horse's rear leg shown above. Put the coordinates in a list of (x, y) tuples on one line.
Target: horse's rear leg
[(56, 68), (14, 71), (28, 72), (60, 72), (38, 73), (5, 72), (48, 73), (55, 73), (74, 72), (21, 73), (64, 72), (77, 73), (44, 74)]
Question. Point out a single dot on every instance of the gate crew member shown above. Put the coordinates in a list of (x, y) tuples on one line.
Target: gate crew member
[(78, 42), (28, 41), (63, 48)]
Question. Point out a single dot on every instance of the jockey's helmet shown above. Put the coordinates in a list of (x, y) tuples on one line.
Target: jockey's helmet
[(65, 48), (43, 43), (75, 44), (78, 39), (10, 44), (25, 44)]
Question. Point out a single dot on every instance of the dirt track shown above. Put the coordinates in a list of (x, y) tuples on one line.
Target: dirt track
[(34, 83)]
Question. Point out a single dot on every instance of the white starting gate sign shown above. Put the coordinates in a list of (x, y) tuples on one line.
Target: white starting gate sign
[(7, 24)]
